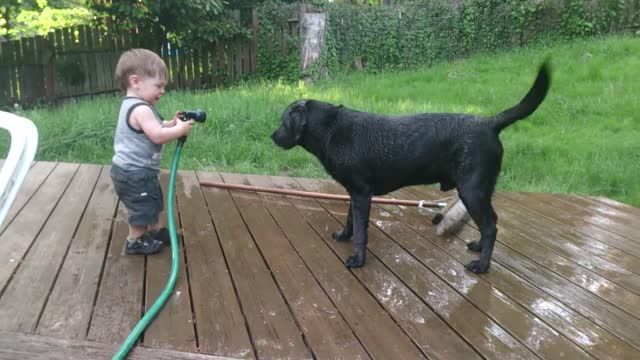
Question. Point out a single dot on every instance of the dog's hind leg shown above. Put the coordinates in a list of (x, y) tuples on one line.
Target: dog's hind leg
[(360, 207), (476, 196), (347, 231)]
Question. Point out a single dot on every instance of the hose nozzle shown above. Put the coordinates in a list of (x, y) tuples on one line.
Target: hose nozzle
[(196, 115)]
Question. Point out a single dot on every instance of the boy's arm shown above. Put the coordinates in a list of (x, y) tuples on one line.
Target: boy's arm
[(143, 118)]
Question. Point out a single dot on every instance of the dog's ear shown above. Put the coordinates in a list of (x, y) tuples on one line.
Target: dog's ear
[(296, 120)]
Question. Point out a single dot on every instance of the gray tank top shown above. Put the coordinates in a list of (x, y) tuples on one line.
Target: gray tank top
[(133, 149)]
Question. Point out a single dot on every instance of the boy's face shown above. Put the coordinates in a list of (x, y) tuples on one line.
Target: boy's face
[(149, 89)]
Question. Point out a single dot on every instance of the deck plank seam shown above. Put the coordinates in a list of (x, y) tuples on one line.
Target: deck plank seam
[(66, 252), (254, 349), (273, 277), (6, 285), (7, 222), (103, 266), (522, 279), (264, 197), (186, 270), (373, 296)]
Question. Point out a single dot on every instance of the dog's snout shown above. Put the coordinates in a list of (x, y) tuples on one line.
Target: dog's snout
[(282, 139), (276, 136)]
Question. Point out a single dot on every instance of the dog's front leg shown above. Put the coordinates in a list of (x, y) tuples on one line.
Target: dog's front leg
[(347, 231), (360, 207)]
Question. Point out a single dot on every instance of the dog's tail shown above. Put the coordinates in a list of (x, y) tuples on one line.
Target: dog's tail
[(528, 104)]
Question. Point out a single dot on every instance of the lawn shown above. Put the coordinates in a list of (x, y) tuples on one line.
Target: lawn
[(585, 137)]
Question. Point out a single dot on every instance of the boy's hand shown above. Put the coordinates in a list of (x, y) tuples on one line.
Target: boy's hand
[(184, 127), (143, 118), (172, 122)]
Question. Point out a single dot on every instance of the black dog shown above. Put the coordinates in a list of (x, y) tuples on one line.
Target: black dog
[(371, 154)]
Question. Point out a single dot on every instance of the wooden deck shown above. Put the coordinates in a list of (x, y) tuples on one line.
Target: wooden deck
[(261, 278)]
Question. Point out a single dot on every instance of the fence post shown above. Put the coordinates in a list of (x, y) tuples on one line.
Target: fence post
[(6, 65), (47, 60), (254, 40), (237, 51)]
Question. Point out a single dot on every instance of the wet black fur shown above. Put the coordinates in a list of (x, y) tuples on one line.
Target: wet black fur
[(372, 154)]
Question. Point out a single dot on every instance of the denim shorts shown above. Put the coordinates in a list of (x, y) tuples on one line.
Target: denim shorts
[(140, 192)]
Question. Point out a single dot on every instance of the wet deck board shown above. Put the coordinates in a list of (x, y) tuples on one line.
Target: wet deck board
[(119, 299), (78, 278), (273, 329), (327, 334), (260, 276), (173, 327), (38, 347), (210, 283)]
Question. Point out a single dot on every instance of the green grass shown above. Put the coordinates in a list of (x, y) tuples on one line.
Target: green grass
[(585, 137)]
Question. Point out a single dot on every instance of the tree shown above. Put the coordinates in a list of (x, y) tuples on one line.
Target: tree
[(10, 9), (31, 17), (191, 22)]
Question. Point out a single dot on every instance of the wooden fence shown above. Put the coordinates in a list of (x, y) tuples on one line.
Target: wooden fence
[(81, 60)]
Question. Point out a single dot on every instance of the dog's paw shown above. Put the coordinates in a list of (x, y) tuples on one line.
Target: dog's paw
[(478, 267), (340, 235), (354, 261), (474, 246)]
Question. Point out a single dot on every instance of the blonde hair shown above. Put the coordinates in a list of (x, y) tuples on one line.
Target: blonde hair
[(141, 62)]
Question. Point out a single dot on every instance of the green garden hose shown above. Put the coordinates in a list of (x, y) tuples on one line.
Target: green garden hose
[(168, 289)]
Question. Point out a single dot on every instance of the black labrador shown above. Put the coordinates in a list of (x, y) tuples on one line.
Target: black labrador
[(371, 154)]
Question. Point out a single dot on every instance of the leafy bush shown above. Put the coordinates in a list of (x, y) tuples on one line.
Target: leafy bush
[(379, 38), (278, 51), (36, 22)]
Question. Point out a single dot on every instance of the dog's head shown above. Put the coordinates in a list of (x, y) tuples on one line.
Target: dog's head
[(305, 123), (294, 122)]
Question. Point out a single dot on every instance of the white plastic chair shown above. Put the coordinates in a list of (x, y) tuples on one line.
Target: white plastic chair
[(24, 142)]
